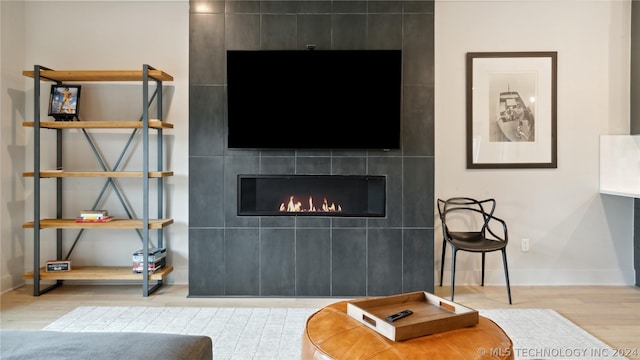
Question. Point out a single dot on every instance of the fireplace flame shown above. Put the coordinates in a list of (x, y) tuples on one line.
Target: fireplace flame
[(296, 206)]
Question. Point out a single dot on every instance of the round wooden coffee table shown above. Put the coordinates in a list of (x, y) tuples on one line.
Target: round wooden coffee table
[(332, 334)]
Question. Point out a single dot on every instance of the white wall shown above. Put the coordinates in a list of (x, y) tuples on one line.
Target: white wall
[(12, 144), (577, 235), (105, 35)]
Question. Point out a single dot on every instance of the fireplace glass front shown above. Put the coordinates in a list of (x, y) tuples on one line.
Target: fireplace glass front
[(312, 195)]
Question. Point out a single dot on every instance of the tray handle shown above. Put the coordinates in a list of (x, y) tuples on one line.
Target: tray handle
[(447, 306), (368, 320)]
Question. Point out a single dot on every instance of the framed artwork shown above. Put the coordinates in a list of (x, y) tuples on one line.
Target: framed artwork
[(511, 110), (64, 101)]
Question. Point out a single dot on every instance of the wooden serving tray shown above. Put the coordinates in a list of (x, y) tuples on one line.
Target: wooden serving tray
[(431, 314)]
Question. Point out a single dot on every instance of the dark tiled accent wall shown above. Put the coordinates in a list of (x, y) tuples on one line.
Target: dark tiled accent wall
[(309, 256)]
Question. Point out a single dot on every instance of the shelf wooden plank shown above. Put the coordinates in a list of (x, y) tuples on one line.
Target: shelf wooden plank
[(112, 174), (98, 75), (107, 124), (98, 273), (113, 224)]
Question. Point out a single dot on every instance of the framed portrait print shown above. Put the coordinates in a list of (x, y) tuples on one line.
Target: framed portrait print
[(511, 110), (64, 101)]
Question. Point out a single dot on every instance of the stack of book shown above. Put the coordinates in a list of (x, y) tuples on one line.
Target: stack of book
[(94, 216), (156, 258)]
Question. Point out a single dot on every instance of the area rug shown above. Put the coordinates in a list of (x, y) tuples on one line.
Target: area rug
[(274, 333)]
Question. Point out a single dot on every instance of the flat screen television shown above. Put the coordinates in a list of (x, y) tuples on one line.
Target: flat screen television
[(314, 99)]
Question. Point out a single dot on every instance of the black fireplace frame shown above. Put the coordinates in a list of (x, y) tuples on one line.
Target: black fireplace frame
[(376, 205)]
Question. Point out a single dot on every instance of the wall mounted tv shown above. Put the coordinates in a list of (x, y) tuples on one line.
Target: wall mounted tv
[(314, 99)]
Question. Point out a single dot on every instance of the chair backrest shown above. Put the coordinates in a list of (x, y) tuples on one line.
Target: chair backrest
[(465, 214)]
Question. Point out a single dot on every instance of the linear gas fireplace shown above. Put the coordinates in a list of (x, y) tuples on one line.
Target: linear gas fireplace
[(312, 195)]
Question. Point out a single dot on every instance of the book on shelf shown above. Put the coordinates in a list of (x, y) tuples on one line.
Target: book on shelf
[(152, 266), (152, 251), (101, 220), (157, 255), (94, 214)]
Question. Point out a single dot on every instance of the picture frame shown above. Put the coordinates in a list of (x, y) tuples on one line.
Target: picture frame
[(64, 101), (511, 110)]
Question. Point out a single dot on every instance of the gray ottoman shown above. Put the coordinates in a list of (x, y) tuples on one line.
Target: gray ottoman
[(54, 345)]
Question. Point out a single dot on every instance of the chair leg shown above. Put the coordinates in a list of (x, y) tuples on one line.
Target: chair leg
[(482, 283), (506, 273), (453, 270), (444, 249)]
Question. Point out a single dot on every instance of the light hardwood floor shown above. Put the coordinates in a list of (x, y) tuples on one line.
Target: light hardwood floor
[(611, 313)]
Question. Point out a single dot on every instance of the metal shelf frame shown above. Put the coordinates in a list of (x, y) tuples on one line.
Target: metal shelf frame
[(144, 232)]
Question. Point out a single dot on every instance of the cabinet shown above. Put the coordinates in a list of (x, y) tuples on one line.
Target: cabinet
[(147, 77), (619, 170)]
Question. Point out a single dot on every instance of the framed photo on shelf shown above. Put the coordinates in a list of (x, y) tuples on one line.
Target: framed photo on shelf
[(64, 101), (511, 110)]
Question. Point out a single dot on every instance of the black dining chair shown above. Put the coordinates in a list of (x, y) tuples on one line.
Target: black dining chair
[(469, 225)]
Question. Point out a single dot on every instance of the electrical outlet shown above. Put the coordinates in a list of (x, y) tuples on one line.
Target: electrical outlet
[(525, 245)]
